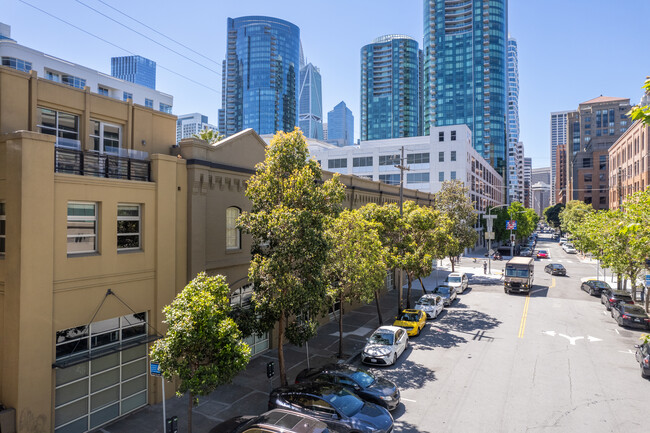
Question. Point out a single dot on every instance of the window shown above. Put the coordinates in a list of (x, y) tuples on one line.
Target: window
[(102, 90), (602, 162), (337, 163), (363, 161), (453, 175), (603, 200), (441, 156), (587, 177), (126, 96), (417, 178), (82, 228), (165, 108), (390, 179), (388, 159), (453, 135), (441, 136), (105, 137), (441, 176), (586, 162), (52, 76), (72, 81), (3, 228), (233, 235), (128, 227), (417, 158), (64, 126), (18, 64), (148, 103), (453, 155)]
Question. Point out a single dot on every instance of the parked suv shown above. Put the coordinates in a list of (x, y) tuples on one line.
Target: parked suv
[(610, 297), (457, 280), (276, 420)]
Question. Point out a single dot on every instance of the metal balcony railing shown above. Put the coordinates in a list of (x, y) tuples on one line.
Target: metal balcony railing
[(92, 163)]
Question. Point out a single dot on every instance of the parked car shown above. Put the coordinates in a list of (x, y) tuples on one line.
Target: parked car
[(432, 305), (542, 254), (526, 252), (563, 241), (555, 269), (594, 287), (276, 420), (336, 406), (569, 249), (611, 297), (385, 345), (411, 320), (457, 280), (370, 388), (447, 293), (643, 358), (633, 316)]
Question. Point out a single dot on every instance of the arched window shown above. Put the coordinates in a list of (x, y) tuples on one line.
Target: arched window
[(233, 236)]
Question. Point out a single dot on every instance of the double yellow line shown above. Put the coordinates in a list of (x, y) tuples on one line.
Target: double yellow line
[(522, 324)]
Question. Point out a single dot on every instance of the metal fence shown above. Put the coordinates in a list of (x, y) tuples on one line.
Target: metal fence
[(95, 164)]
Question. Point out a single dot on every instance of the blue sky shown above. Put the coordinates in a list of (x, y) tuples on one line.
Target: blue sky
[(570, 51)]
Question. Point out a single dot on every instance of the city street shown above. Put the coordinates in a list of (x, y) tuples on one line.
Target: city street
[(552, 362)]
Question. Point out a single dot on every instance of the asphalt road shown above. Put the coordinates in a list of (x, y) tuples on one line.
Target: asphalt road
[(551, 362)]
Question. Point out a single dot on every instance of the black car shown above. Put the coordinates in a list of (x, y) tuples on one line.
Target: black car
[(594, 287), (276, 420), (611, 297), (555, 269), (367, 386), (643, 358), (630, 315), (337, 407)]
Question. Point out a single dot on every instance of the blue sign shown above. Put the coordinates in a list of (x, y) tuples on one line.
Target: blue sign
[(511, 225), (647, 280), (155, 369)]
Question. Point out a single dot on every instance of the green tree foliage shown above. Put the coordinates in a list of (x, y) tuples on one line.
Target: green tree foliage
[(287, 222), (356, 265), (639, 112), (202, 346), (552, 214), (526, 220), (209, 135), (454, 203), (574, 215)]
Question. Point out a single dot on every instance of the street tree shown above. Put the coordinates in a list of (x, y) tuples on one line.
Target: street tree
[(526, 219), (642, 112), (573, 215), (454, 203), (552, 214), (290, 205), (356, 262), (203, 345), (209, 135)]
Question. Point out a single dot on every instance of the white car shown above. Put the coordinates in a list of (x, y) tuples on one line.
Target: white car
[(385, 345), (431, 305), (457, 280), (569, 249)]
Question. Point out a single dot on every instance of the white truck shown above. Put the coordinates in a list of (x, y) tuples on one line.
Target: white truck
[(518, 275)]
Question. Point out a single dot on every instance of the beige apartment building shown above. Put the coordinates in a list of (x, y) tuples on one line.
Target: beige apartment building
[(629, 168), (93, 245)]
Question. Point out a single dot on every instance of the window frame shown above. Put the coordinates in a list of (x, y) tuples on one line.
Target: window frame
[(137, 218), (233, 233), (72, 218), (3, 228)]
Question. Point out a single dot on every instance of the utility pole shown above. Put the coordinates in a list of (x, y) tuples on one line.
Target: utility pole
[(402, 167)]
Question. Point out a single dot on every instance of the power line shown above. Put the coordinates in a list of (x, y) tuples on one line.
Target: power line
[(147, 37), (117, 46)]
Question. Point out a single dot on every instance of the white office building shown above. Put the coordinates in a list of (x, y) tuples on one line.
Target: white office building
[(52, 68), (189, 124), (558, 136)]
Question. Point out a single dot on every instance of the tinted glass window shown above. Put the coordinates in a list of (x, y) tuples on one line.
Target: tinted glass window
[(363, 378), (381, 338)]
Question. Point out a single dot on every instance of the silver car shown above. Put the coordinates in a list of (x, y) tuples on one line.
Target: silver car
[(447, 293), (431, 305), (457, 280)]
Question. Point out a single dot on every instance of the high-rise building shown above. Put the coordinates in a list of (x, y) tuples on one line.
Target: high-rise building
[(311, 102), (325, 135), (465, 71), (340, 125), (558, 137), (560, 174), (528, 173), (135, 69), (390, 88), (515, 189), (189, 124), (260, 76), (591, 131)]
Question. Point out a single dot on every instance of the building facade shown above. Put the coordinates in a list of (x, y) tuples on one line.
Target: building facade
[(591, 131), (558, 137), (515, 189), (135, 69), (311, 102), (189, 124), (25, 59), (629, 168), (340, 125), (465, 71), (528, 173), (560, 174), (260, 76), (390, 88)]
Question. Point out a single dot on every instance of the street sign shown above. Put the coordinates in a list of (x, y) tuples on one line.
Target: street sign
[(647, 280), (154, 369), (489, 236), (511, 225)]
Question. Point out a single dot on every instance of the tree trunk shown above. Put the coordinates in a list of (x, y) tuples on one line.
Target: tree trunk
[(381, 320), (283, 373), (408, 291), (189, 414), (341, 326), (452, 264), (422, 284)]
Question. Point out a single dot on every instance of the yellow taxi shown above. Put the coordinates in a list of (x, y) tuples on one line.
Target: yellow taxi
[(411, 320)]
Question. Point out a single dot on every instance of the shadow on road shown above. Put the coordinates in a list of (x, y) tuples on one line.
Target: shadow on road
[(406, 373), (539, 292), (485, 279)]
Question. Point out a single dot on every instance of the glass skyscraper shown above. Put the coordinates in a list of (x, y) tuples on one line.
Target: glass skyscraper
[(260, 76), (465, 71), (135, 69), (340, 125), (311, 102), (515, 164), (390, 88)]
